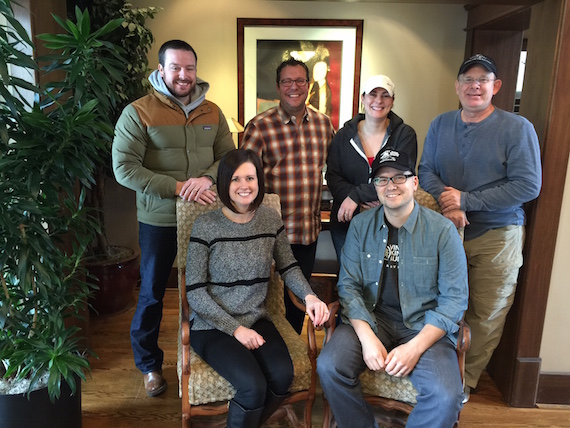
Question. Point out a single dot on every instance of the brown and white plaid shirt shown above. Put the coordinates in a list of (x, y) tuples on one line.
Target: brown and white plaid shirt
[(293, 160)]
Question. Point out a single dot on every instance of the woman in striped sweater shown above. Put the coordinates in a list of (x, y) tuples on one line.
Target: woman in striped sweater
[(228, 269)]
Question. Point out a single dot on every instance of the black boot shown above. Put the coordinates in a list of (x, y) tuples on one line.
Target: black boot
[(272, 403), (238, 417)]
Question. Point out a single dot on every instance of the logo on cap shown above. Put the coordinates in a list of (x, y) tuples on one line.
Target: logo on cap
[(389, 156), (479, 57)]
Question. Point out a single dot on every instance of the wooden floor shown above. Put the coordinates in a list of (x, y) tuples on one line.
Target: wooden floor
[(114, 397)]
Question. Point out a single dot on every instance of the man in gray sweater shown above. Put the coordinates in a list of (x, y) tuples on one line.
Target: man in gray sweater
[(482, 164)]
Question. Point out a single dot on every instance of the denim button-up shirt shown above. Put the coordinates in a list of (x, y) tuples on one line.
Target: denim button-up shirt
[(432, 271)]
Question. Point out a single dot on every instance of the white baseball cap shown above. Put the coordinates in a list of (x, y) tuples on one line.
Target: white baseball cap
[(379, 81)]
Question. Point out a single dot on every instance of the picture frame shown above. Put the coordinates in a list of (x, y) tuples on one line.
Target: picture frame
[(328, 46)]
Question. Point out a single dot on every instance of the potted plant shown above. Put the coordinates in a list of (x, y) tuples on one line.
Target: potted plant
[(115, 268), (49, 150)]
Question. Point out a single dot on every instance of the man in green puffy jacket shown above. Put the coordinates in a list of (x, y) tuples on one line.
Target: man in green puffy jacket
[(167, 144)]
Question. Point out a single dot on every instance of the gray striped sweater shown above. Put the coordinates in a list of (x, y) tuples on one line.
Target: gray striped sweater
[(228, 267)]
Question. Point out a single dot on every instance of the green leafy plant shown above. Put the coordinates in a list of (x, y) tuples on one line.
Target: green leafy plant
[(136, 39), (50, 149)]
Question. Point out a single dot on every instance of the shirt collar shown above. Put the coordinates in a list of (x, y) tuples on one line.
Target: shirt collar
[(410, 223), (287, 118)]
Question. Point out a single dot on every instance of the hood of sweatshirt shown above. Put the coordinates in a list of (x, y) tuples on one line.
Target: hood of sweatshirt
[(197, 96)]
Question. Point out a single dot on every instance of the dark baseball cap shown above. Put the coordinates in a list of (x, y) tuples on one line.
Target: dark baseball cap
[(478, 59), (392, 158)]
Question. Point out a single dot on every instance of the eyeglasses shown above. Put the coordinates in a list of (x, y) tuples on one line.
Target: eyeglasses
[(471, 80), (397, 179), (289, 82)]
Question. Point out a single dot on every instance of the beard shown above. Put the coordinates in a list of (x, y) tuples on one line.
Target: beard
[(178, 92)]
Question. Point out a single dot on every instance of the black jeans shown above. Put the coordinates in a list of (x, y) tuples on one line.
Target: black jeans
[(251, 373), (305, 255), (338, 234)]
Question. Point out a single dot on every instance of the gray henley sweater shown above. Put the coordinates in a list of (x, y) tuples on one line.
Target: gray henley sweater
[(495, 164)]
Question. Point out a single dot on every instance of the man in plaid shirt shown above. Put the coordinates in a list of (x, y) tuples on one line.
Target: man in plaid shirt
[(293, 140)]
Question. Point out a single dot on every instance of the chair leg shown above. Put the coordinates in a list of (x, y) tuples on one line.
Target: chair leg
[(309, 411), (327, 414)]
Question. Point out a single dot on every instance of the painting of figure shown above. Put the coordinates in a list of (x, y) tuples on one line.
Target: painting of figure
[(323, 59)]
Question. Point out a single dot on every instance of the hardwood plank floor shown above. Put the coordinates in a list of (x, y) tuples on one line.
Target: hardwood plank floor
[(114, 397)]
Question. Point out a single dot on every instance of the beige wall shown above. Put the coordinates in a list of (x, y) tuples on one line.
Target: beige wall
[(555, 347), (419, 46)]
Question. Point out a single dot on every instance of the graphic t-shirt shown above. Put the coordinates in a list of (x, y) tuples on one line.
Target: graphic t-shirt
[(389, 297)]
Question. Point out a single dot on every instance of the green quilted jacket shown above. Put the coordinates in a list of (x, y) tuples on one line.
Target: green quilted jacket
[(156, 145)]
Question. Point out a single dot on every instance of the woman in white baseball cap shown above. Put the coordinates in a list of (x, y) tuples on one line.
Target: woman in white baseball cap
[(355, 147)]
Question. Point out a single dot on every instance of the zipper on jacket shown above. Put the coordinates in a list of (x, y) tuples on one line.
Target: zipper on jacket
[(363, 156)]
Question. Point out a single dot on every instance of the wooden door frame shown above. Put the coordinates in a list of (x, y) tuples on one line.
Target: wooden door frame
[(515, 366)]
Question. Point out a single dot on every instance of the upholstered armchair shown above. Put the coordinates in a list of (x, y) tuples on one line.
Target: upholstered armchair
[(203, 391), (389, 392)]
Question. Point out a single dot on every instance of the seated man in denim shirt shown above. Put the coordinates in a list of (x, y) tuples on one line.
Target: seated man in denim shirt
[(403, 290)]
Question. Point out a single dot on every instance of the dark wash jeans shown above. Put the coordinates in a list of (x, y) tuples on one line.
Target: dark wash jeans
[(338, 235), (158, 250)]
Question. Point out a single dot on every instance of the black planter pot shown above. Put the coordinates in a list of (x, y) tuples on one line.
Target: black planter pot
[(117, 281), (16, 411)]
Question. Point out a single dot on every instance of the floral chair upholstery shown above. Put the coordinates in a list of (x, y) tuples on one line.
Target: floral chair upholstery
[(203, 391), (390, 392)]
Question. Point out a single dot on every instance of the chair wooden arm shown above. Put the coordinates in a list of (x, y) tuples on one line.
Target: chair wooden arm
[(296, 301), (311, 353), (463, 345), (329, 326), (311, 337), (464, 337), (185, 314), (185, 347)]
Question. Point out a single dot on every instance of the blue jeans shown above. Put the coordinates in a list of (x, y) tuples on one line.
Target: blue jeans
[(158, 250), (251, 373), (436, 377)]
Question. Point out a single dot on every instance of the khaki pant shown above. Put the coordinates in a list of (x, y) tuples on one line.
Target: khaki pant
[(494, 260)]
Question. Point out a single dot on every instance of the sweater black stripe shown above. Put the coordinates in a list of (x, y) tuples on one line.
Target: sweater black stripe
[(244, 239), (248, 238), (198, 241), (286, 268), (249, 282)]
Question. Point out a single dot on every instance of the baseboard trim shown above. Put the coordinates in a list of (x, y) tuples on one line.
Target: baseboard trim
[(553, 388), (525, 383)]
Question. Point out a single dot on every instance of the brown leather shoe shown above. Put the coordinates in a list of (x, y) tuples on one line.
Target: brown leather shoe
[(154, 383)]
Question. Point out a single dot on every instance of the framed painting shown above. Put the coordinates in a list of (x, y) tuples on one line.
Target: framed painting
[(331, 49)]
